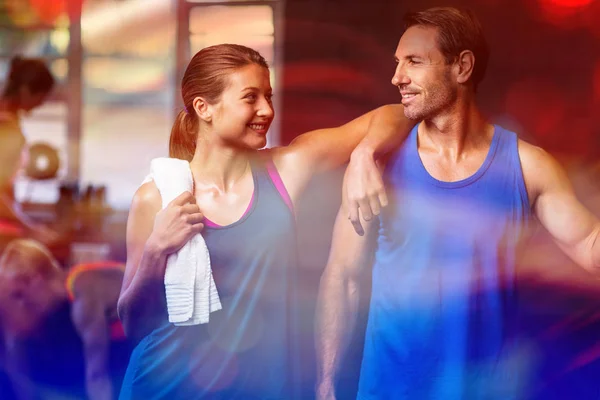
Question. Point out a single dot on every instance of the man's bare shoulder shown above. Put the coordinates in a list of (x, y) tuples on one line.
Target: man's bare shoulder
[(539, 168), (536, 158)]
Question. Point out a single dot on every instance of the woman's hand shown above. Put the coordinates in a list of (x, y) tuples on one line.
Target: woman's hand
[(175, 225)]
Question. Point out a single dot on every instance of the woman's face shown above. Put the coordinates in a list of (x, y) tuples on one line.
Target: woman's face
[(244, 112)]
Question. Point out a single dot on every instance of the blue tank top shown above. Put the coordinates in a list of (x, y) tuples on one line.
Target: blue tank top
[(442, 311), (243, 352)]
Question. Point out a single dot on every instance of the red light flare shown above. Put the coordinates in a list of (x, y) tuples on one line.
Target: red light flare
[(567, 14), (596, 83)]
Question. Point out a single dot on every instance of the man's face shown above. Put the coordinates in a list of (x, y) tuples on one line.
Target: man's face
[(422, 75)]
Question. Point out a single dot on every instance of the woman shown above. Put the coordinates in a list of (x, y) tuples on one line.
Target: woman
[(246, 197), (28, 84)]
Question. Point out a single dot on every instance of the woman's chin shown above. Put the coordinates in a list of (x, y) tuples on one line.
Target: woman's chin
[(259, 143)]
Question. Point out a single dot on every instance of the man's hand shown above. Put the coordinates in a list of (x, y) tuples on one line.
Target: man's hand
[(364, 192)]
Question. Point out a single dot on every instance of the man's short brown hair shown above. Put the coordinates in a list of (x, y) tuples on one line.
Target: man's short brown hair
[(458, 30)]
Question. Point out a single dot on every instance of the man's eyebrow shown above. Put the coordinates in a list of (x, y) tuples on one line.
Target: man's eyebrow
[(408, 57)]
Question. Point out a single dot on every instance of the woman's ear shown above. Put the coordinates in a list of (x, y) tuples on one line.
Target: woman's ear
[(203, 109)]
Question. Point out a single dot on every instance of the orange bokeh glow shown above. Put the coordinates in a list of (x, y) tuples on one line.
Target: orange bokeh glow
[(48, 11)]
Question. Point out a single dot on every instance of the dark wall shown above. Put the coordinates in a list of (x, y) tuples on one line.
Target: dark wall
[(540, 81)]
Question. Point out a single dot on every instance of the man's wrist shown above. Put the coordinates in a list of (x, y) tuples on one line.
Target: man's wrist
[(364, 150)]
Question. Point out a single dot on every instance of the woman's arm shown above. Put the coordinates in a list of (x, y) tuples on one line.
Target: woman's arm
[(326, 149), (152, 234)]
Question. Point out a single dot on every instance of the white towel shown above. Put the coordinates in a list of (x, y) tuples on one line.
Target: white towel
[(189, 285)]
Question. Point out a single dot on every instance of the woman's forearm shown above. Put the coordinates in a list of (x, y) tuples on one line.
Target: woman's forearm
[(139, 301)]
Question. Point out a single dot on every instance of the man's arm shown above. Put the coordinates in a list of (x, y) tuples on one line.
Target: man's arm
[(574, 228), (89, 318), (339, 296), (365, 189)]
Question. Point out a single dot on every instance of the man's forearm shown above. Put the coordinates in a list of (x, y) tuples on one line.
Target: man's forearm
[(336, 317)]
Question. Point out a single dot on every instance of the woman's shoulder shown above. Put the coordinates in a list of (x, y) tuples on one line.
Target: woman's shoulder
[(146, 198), (279, 157)]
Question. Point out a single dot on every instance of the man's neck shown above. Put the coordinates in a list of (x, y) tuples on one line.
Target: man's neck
[(458, 130)]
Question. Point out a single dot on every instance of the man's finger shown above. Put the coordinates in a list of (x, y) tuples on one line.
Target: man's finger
[(365, 209), (374, 204), (383, 200), (354, 218)]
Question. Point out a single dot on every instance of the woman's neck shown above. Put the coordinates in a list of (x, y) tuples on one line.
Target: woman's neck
[(219, 167)]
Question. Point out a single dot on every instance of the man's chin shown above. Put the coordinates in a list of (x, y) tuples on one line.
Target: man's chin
[(413, 116)]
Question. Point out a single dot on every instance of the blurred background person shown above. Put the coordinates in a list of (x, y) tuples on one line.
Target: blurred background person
[(28, 84), (56, 325)]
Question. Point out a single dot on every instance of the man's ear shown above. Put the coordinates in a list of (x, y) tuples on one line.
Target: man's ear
[(203, 109), (465, 63)]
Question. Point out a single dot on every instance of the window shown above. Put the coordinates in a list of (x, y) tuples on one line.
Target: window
[(130, 81), (249, 23), (127, 93)]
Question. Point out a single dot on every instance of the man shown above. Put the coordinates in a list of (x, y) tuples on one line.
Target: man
[(442, 317), (42, 333)]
